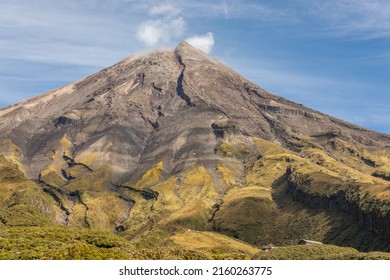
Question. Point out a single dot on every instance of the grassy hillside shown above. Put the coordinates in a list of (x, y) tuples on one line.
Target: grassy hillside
[(212, 242), (318, 252), (47, 243), (285, 196), (256, 193), (22, 202)]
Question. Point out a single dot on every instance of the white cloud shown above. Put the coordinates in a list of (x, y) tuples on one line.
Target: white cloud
[(167, 25), (203, 42), (160, 31)]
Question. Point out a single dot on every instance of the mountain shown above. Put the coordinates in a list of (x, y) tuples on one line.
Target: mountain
[(173, 145)]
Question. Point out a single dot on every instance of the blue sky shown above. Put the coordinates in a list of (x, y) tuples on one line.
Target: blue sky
[(333, 56)]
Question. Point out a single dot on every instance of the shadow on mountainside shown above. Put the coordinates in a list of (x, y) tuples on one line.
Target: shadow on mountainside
[(330, 225)]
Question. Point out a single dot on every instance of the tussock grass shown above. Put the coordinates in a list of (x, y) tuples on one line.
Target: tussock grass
[(212, 242), (150, 177)]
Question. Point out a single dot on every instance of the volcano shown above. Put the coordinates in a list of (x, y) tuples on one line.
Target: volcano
[(173, 148)]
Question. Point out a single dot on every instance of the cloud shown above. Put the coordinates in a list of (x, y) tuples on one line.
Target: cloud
[(164, 9), (160, 31), (234, 9), (71, 32), (362, 18), (225, 9), (202, 42)]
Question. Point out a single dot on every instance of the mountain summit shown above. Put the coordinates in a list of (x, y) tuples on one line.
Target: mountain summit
[(174, 140)]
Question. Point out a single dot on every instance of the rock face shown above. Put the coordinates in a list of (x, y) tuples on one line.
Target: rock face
[(175, 139)]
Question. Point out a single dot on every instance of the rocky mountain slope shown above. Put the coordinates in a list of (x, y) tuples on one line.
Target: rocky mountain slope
[(172, 141)]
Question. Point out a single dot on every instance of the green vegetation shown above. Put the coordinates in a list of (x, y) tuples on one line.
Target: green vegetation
[(66, 243), (235, 149), (318, 252), (288, 196), (151, 176), (61, 243), (383, 171), (248, 218), (22, 202)]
